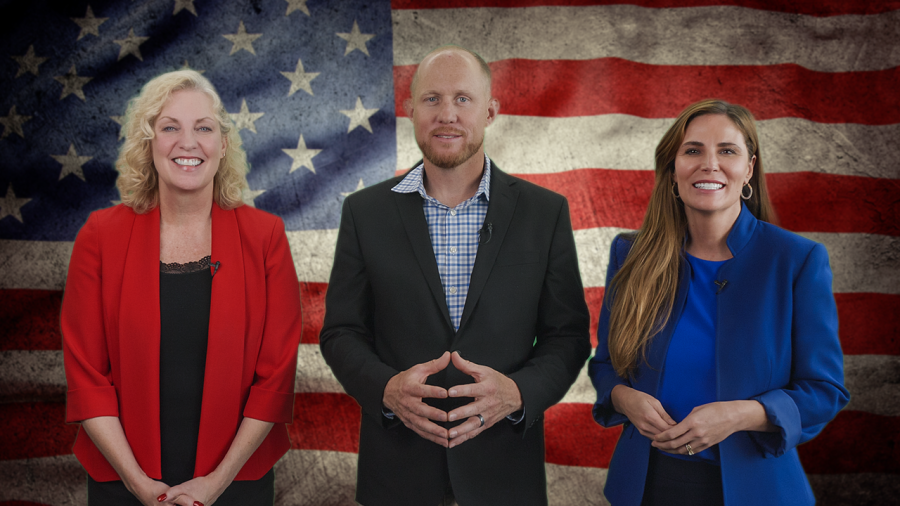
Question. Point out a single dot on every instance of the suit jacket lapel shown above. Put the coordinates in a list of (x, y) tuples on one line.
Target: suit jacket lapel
[(139, 333), (221, 410), (499, 215), (410, 207)]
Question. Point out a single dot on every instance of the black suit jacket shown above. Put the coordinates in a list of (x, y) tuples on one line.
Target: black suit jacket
[(524, 316)]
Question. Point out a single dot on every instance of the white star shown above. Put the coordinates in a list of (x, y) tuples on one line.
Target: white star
[(359, 116), (13, 123), (356, 40), (89, 24), (184, 4), (120, 120), (242, 40), (302, 157), (28, 62), (245, 118), (131, 45), (359, 186), (300, 80), (72, 83), (297, 5), (188, 67), (71, 163), (12, 206), (249, 196)]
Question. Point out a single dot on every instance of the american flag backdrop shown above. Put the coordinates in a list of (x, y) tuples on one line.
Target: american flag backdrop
[(587, 88)]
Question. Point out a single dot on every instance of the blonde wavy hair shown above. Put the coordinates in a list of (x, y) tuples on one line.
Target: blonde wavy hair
[(643, 291), (138, 181)]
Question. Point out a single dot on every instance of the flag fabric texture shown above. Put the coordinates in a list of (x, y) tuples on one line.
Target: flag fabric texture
[(587, 88)]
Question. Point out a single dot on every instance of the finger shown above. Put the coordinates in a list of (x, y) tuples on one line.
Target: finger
[(427, 432), (420, 391), (473, 423), (469, 390), (470, 409), (664, 416), (424, 425), (436, 365), (425, 411), (470, 368)]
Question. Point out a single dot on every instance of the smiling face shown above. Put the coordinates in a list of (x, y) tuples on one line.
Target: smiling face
[(711, 167), (188, 143), (450, 107)]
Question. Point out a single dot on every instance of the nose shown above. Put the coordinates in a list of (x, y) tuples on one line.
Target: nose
[(447, 112), (711, 162), (188, 139)]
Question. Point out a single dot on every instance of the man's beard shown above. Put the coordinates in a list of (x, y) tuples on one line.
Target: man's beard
[(450, 161)]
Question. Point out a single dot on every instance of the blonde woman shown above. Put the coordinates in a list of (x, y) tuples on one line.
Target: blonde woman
[(181, 316), (717, 342)]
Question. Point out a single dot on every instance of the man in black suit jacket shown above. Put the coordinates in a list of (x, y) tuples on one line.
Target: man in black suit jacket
[(514, 319)]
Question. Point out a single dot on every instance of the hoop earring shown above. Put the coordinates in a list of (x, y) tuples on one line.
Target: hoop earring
[(675, 190), (751, 192)]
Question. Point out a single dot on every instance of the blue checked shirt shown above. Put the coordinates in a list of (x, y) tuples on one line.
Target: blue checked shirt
[(454, 234)]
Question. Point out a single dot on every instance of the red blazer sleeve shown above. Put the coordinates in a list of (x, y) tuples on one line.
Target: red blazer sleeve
[(88, 374), (272, 392)]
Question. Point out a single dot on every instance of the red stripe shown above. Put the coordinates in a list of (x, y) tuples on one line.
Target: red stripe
[(21, 503), (568, 88), (35, 429), (312, 302), (593, 295), (325, 422), (855, 442), (804, 201), (30, 320), (819, 8), (573, 438), (869, 323)]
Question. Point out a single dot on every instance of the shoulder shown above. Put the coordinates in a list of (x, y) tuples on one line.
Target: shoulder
[(621, 246), (773, 239), (246, 214), (526, 188), (374, 195), (115, 216)]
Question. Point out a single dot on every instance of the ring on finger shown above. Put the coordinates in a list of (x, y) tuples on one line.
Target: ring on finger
[(689, 449), (482, 421)]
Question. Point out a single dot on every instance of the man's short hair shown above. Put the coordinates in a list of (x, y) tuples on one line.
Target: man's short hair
[(485, 68)]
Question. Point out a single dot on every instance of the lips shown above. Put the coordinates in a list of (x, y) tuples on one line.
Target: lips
[(188, 162), (447, 134), (708, 185)]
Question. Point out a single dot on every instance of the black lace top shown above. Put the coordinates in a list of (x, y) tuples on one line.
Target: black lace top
[(177, 268)]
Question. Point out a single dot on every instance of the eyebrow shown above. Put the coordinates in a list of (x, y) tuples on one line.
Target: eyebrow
[(721, 144), (161, 118)]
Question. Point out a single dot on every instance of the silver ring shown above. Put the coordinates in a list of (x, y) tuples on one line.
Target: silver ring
[(690, 451), (482, 421)]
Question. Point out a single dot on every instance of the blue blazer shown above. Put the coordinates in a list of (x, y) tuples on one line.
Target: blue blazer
[(776, 342)]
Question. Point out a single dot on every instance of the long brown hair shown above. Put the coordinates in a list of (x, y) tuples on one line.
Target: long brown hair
[(643, 291)]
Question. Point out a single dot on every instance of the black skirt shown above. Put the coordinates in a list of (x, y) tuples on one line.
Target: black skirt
[(185, 292), (677, 482)]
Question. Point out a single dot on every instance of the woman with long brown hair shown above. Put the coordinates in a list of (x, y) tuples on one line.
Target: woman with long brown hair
[(717, 341)]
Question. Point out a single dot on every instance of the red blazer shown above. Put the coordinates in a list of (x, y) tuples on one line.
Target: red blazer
[(110, 326)]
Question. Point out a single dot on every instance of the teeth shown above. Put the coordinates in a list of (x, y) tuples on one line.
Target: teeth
[(709, 186), (193, 162)]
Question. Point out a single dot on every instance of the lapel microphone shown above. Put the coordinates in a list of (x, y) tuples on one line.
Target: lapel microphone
[(721, 285), (215, 268), (490, 232)]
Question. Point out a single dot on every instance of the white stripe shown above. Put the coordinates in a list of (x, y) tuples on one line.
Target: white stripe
[(536, 144), (313, 253), (57, 481), (313, 374), (38, 265), (684, 36), (326, 477), (873, 382), (860, 262)]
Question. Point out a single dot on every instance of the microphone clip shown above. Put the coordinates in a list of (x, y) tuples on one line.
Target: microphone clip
[(490, 232), (721, 285)]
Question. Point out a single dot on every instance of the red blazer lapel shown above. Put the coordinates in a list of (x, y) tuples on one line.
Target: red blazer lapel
[(139, 338), (221, 411)]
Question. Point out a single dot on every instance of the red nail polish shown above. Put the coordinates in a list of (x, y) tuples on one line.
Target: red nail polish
[(198, 503), (161, 498)]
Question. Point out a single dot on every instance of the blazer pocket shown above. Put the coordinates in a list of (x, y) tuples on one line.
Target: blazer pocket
[(519, 258)]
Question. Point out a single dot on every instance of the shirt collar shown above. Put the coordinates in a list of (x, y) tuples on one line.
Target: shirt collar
[(415, 182)]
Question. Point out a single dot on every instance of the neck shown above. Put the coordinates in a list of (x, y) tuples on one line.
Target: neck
[(708, 233), (453, 186), (183, 209)]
